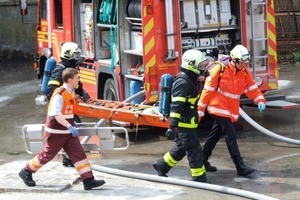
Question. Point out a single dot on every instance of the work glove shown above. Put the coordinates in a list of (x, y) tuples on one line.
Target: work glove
[(73, 130), (86, 97), (261, 106), (200, 113), (171, 133)]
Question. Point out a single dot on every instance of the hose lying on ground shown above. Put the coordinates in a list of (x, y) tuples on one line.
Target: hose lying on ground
[(186, 183), (267, 132)]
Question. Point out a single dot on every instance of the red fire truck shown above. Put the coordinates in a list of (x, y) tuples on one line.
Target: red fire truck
[(127, 45)]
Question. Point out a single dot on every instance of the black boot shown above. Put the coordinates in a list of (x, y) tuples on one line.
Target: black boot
[(201, 178), (26, 176), (161, 167), (67, 162), (90, 183), (241, 167), (208, 167)]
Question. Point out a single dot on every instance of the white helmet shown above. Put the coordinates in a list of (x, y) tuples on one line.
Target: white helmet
[(70, 50), (240, 53), (191, 60)]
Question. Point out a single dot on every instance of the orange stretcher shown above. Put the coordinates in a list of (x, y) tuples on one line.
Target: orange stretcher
[(136, 115)]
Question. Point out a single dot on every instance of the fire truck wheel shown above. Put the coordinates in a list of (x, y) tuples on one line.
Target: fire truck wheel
[(109, 92)]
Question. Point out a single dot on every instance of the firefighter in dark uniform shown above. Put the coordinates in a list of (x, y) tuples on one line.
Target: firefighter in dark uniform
[(70, 58), (61, 133), (184, 118)]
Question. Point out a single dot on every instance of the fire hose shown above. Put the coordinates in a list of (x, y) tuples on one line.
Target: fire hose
[(205, 186), (266, 131), (180, 182)]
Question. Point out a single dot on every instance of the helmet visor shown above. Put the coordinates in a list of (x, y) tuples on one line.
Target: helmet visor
[(76, 56), (245, 58)]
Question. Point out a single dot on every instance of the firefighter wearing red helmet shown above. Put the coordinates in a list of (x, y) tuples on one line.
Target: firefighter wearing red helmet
[(184, 118), (228, 80)]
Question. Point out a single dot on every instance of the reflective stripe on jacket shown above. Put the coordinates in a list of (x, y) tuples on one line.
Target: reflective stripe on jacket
[(69, 103), (222, 91), (185, 96)]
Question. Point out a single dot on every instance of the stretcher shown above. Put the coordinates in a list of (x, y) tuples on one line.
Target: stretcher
[(34, 142), (136, 115)]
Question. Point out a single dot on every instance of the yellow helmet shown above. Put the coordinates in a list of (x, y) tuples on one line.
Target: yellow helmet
[(240, 53), (191, 60), (70, 50)]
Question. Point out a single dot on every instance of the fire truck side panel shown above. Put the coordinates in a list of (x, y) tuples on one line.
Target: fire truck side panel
[(261, 41), (155, 45), (137, 41)]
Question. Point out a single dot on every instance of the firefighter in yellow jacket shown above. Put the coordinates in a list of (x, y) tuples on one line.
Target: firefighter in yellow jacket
[(228, 80), (61, 133), (184, 118)]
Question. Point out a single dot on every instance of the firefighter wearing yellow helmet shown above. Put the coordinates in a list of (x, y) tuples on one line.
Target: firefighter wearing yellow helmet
[(184, 118), (229, 79)]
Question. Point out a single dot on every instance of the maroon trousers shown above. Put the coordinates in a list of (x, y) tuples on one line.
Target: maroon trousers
[(71, 145)]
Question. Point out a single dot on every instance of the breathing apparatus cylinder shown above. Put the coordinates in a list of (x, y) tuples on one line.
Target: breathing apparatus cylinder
[(49, 66), (166, 82)]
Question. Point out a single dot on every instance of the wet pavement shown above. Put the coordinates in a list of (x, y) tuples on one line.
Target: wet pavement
[(277, 172)]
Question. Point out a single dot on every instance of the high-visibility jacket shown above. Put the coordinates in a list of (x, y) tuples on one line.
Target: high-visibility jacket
[(223, 89), (69, 104), (55, 80), (185, 96)]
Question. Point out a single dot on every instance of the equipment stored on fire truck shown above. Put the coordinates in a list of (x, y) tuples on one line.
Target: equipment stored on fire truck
[(128, 45)]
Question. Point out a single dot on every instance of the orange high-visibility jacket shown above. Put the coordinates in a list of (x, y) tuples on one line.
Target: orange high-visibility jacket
[(222, 90), (69, 105)]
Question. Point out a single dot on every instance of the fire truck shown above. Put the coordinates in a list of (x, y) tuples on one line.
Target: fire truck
[(128, 45)]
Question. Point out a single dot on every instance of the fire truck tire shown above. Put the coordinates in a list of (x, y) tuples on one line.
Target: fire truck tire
[(109, 92)]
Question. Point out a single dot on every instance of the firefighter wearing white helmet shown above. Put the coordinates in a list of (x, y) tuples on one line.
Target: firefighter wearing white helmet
[(239, 54), (229, 79), (70, 58), (194, 60), (184, 119), (70, 51)]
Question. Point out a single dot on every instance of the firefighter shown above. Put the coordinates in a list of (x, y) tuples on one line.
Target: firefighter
[(70, 58), (184, 118), (61, 133), (228, 80)]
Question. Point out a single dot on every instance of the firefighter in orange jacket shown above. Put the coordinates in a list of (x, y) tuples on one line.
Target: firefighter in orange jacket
[(228, 80), (61, 133), (184, 118)]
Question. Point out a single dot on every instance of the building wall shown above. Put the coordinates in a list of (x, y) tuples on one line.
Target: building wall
[(17, 39), (288, 30)]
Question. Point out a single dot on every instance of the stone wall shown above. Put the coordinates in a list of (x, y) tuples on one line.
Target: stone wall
[(17, 34)]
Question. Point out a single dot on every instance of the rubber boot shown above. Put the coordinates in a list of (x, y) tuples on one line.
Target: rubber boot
[(67, 162), (161, 167), (90, 183), (201, 178), (26, 176), (241, 168), (209, 167)]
